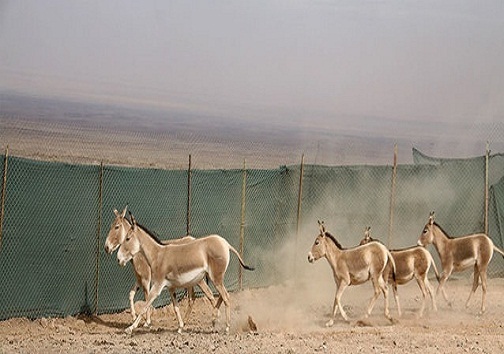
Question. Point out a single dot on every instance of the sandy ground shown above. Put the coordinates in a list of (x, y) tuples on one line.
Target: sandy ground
[(285, 324)]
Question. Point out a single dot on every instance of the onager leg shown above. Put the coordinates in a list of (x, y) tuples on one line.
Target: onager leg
[(153, 294), (216, 315), (378, 285), (423, 288), (132, 293), (337, 301), (335, 308), (384, 288), (483, 275), (191, 297), (208, 293), (145, 287), (444, 277), (224, 297), (396, 297), (475, 284), (177, 310), (431, 292)]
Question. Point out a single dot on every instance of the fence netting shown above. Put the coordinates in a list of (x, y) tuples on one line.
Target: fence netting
[(56, 217)]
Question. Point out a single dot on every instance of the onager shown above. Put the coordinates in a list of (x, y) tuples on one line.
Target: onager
[(412, 262), (458, 254), (353, 266), (180, 266), (116, 236)]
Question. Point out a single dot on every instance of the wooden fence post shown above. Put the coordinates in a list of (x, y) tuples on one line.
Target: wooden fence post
[(98, 232), (392, 199), (242, 221), (300, 196), (189, 196), (487, 158), (4, 192), (299, 206)]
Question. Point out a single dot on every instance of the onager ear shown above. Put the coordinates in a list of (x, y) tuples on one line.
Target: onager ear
[(321, 227), (123, 214), (116, 212), (431, 218)]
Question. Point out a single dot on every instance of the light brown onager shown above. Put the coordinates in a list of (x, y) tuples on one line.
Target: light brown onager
[(116, 236), (353, 266), (412, 262), (180, 266), (458, 254)]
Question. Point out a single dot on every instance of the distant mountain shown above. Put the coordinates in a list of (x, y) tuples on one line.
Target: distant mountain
[(323, 139)]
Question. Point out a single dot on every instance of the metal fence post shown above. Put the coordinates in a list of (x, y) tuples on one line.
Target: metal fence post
[(4, 191), (98, 232)]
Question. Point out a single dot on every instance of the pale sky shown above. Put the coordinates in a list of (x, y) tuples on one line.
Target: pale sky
[(288, 59)]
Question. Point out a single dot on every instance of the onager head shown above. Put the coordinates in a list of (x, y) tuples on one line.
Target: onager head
[(367, 236), (117, 232), (318, 249), (131, 246), (427, 236)]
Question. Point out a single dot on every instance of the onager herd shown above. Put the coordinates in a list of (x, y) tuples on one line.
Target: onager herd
[(185, 262)]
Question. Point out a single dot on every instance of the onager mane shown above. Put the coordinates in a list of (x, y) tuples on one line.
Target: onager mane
[(151, 234), (333, 239), (443, 231)]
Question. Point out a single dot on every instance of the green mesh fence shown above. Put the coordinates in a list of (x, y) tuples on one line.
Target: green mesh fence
[(47, 259), (57, 216)]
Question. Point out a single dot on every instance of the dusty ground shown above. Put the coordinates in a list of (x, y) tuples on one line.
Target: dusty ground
[(285, 324)]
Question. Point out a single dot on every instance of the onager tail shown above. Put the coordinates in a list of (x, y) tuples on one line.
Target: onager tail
[(433, 264), (392, 262), (498, 250), (240, 259)]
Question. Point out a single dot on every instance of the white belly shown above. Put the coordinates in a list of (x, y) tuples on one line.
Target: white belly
[(189, 278)]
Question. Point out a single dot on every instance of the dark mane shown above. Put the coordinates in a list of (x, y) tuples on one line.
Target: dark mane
[(333, 239), (443, 231), (151, 234)]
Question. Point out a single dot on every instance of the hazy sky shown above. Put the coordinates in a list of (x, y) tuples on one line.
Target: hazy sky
[(415, 60)]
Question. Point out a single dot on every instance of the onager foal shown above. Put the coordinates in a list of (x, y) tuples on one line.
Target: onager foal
[(116, 236), (353, 266), (180, 266), (412, 262), (458, 254)]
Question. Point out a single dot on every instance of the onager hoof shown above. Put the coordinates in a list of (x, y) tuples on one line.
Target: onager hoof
[(179, 330), (129, 330), (329, 323)]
